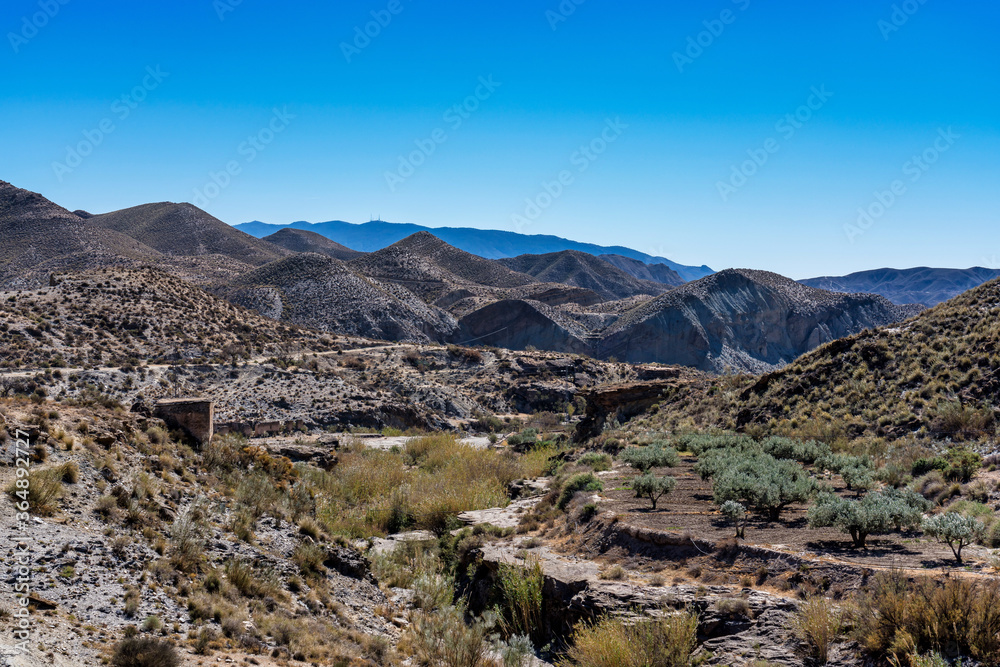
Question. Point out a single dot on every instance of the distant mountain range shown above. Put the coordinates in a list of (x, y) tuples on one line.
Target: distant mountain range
[(603, 302), (488, 243), (922, 285)]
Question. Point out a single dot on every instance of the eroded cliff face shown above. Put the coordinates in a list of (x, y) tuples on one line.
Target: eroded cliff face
[(742, 320)]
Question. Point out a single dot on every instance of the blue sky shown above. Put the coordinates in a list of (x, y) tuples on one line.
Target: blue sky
[(663, 128)]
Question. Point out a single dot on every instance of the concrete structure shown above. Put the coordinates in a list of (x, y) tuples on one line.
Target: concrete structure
[(192, 415)]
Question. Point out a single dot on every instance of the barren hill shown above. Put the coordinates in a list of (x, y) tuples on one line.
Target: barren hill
[(301, 240), (579, 269), (924, 285), (430, 267), (186, 230), (117, 316), (324, 293), (38, 236), (744, 320)]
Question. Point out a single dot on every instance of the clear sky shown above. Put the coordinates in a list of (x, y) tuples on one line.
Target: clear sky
[(681, 109)]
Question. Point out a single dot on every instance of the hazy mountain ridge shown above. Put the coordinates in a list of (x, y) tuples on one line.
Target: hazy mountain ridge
[(490, 244), (925, 285)]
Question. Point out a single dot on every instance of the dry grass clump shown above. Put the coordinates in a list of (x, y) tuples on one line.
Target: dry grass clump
[(39, 490), (818, 625), (617, 642)]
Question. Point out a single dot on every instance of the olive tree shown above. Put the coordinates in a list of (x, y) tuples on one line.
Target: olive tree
[(652, 456), (652, 487), (954, 529), (877, 512), (737, 514), (759, 481)]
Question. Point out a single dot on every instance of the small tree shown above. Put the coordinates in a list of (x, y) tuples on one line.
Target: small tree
[(953, 529), (760, 482), (878, 512), (652, 487), (656, 455), (737, 514)]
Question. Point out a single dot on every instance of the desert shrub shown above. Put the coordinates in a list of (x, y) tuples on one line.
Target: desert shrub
[(615, 642), (519, 589), (818, 624), (962, 464), (736, 514), (187, 537), (433, 591), (656, 455), (596, 461), (144, 652), (583, 481), (444, 639), (653, 488), (897, 618), (924, 465), (524, 440), (309, 557), (257, 494), (963, 422), (954, 530), (758, 481), (513, 652), (877, 512), (251, 581)]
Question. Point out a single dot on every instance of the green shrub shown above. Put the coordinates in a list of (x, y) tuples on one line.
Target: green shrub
[(803, 451), (520, 592), (652, 487), (651, 456), (615, 642), (583, 481), (596, 461)]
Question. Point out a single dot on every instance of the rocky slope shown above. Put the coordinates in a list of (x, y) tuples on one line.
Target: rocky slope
[(39, 236), (185, 230), (571, 267), (323, 293), (301, 240), (921, 285), (742, 320)]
